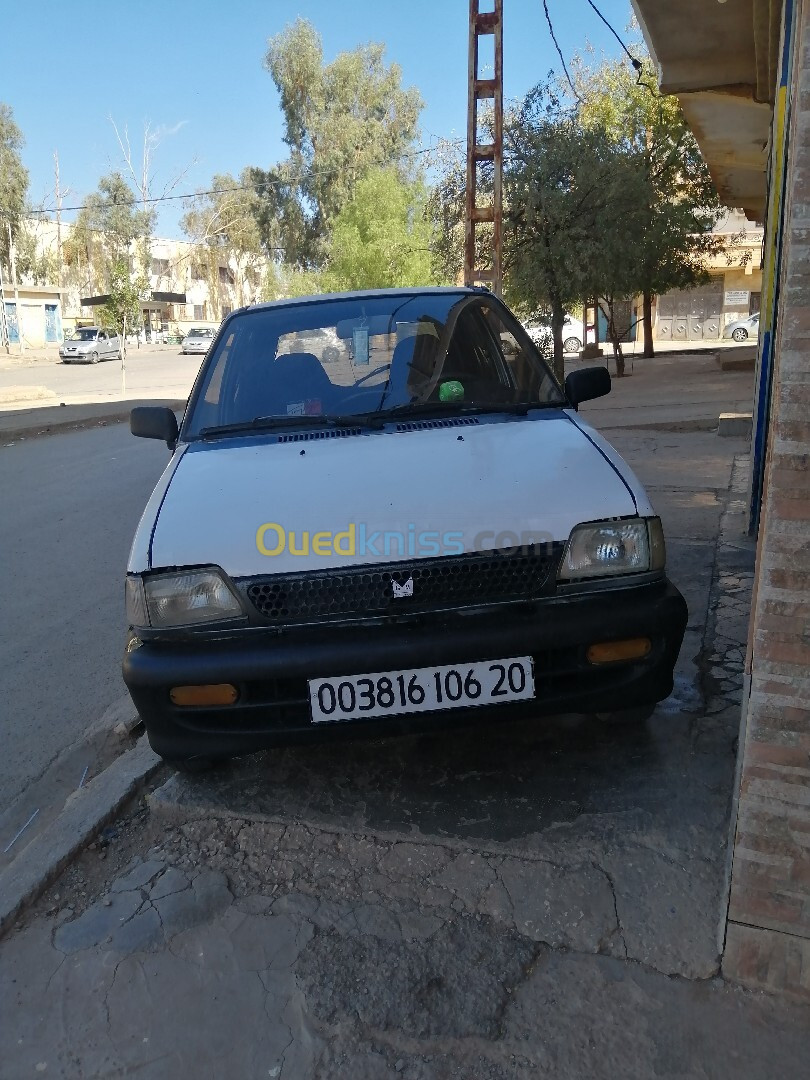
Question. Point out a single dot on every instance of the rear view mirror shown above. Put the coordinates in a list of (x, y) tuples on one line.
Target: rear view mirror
[(154, 422), (587, 384)]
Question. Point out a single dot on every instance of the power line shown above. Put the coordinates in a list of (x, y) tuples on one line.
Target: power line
[(135, 202), (633, 60), (559, 53)]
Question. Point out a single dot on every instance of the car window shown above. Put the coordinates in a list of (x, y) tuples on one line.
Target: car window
[(346, 356)]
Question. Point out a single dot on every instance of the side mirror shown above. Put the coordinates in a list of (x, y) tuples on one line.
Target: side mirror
[(154, 422), (587, 384)]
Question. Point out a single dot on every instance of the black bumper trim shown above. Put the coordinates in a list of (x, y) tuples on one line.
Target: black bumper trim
[(272, 670)]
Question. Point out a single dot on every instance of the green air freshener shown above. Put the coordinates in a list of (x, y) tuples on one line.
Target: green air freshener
[(451, 391)]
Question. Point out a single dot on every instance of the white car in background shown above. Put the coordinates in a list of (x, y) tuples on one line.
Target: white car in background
[(198, 340), (573, 333), (743, 329), (89, 344)]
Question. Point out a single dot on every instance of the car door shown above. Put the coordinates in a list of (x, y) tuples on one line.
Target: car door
[(115, 344), (102, 345)]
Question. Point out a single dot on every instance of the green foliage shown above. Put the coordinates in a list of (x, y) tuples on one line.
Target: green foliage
[(124, 306), (677, 205), (381, 238), (41, 267), (226, 223), (342, 121), (106, 230), (13, 182), (567, 193), (445, 210)]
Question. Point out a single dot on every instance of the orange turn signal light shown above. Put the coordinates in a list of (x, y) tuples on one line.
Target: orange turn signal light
[(214, 694), (609, 652)]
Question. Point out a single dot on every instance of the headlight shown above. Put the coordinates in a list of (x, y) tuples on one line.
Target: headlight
[(608, 548), (180, 599)]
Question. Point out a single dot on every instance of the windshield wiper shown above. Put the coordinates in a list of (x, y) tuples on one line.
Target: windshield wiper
[(270, 423), (448, 408)]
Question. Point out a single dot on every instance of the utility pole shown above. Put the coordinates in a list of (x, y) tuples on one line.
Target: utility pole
[(59, 196), (484, 24), (13, 259)]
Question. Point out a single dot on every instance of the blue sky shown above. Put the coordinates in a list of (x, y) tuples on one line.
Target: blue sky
[(195, 67)]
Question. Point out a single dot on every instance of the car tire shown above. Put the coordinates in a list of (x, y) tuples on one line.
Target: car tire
[(572, 344), (626, 717), (740, 334), (93, 357), (192, 766)]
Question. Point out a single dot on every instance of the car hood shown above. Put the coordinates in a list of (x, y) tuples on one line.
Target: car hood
[(81, 346), (487, 484)]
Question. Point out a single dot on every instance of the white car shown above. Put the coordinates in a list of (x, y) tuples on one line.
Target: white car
[(573, 333), (743, 329), (426, 532), (89, 344), (198, 340)]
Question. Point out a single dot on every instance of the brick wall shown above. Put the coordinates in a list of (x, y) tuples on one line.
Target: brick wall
[(768, 932)]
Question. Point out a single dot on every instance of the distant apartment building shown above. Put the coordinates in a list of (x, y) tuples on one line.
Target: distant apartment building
[(213, 282)]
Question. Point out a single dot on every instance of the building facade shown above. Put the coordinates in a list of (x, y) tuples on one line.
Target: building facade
[(214, 283), (733, 292), (742, 74)]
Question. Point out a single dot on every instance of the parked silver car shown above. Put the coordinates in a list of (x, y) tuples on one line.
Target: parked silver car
[(198, 340), (743, 329), (89, 344)]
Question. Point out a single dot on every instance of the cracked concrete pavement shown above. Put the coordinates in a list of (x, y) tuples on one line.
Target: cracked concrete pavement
[(512, 903)]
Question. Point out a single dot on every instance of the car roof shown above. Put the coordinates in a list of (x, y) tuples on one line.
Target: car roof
[(367, 294)]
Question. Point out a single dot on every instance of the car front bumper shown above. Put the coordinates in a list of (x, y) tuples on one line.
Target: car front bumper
[(271, 670)]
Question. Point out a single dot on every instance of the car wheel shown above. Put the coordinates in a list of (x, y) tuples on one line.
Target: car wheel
[(93, 357), (195, 765), (626, 717), (740, 334), (572, 344)]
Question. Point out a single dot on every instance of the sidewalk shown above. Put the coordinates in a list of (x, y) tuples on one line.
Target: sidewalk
[(534, 901)]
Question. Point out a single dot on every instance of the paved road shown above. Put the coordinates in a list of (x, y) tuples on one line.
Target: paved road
[(71, 503), (149, 373)]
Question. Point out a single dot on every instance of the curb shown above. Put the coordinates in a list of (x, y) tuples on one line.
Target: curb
[(84, 814), (682, 426), (52, 427)]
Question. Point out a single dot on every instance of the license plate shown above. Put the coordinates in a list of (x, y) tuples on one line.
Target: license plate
[(416, 690)]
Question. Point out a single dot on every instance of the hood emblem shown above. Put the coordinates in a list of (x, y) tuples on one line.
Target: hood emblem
[(400, 591)]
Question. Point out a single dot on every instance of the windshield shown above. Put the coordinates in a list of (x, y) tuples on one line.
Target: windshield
[(84, 333), (200, 333), (369, 356)]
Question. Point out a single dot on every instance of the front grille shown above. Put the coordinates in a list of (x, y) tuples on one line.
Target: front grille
[(455, 581)]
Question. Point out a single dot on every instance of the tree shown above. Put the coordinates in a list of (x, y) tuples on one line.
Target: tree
[(105, 231), (446, 204), (341, 121), (678, 205), (381, 237), (140, 168), (565, 202), (13, 183), (123, 309), (225, 222)]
